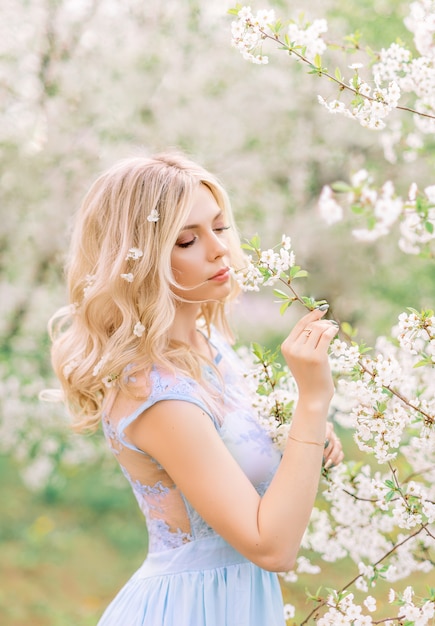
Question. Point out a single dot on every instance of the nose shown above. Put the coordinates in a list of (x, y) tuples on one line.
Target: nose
[(218, 247)]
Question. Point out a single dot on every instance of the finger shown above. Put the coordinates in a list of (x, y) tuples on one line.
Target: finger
[(333, 453), (312, 335), (333, 461), (325, 338), (312, 316)]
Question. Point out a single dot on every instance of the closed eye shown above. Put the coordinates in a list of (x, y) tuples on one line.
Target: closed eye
[(221, 229), (187, 244)]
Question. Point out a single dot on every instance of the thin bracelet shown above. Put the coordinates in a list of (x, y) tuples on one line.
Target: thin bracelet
[(311, 443)]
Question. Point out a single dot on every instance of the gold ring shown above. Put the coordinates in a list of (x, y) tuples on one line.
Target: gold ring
[(308, 331)]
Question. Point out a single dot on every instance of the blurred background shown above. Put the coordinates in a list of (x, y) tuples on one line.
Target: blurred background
[(84, 83)]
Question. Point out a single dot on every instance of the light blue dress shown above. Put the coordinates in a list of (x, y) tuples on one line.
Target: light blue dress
[(191, 576)]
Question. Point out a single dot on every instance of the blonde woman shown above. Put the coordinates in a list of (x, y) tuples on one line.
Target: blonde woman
[(144, 348)]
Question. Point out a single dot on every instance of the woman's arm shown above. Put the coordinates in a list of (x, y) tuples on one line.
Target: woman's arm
[(267, 530)]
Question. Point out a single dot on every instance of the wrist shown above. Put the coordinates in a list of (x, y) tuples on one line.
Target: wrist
[(313, 407)]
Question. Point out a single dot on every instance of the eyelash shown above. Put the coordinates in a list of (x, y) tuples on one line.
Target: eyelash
[(190, 243)]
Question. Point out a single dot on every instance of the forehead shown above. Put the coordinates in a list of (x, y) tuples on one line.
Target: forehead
[(204, 206)]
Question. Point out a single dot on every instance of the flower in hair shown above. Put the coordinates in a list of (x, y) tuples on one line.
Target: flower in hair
[(70, 367), (138, 329), (134, 254), (109, 381), (100, 364), (154, 216), (128, 277), (89, 282)]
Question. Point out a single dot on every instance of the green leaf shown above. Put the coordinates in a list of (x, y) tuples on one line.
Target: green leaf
[(235, 10), (257, 350), (338, 75), (310, 303), (255, 242), (371, 222), (284, 306), (341, 187), (429, 227), (357, 209), (301, 274), (293, 271), (423, 362), (348, 329), (280, 294)]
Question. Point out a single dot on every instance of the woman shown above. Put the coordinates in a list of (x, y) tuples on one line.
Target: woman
[(144, 347)]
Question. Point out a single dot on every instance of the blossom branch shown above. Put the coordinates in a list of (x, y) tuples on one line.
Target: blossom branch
[(351, 582), (429, 420), (321, 71)]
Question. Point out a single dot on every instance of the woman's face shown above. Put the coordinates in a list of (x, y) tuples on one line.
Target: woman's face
[(200, 259)]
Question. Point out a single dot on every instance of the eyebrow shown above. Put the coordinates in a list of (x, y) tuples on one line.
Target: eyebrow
[(192, 226)]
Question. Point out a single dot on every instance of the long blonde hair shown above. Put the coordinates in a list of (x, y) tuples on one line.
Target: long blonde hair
[(120, 278)]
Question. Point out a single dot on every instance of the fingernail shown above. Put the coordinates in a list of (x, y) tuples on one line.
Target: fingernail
[(326, 443), (329, 464), (334, 322), (323, 307)]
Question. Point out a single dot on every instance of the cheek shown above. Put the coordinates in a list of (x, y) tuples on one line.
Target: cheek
[(181, 269)]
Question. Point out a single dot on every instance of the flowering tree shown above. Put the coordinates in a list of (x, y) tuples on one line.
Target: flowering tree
[(381, 511)]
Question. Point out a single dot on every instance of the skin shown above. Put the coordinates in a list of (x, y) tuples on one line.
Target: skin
[(199, 254), (267, 530)]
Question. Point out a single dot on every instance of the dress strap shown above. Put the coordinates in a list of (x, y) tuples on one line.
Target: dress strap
[(125, 422), (213, 348)]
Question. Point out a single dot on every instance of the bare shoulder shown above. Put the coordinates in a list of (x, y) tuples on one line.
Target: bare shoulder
[(170, 423)]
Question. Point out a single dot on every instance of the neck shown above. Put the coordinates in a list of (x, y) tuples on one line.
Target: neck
[(184, 324)]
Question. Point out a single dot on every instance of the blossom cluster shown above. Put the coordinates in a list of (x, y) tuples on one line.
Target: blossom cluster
[(416, 333), (342, 611), (247, 33), (372, 99), (371, 107), (380, 209), (308, 37), (268, 268)]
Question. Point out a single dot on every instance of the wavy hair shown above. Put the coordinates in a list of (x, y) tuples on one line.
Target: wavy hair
[(93, 338)]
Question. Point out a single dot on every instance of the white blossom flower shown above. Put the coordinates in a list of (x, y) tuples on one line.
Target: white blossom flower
[(70, 367), (289, 611), (98, 367), (330, 211), (138, 329), (370, 603), (249, 278), (110, 380), (128, 277), (154, 216), (286, 242), (134, 254), (89, 282), (309, 37), (247, 33), (360, 177)]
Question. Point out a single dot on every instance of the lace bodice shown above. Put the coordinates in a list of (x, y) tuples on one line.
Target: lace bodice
[(171, 520)]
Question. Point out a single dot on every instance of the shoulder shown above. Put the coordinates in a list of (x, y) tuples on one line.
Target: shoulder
[(154, 392)]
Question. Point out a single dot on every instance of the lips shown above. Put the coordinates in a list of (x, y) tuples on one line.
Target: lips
[(222, 274)]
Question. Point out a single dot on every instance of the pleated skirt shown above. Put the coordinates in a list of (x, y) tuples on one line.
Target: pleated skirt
[(202, 583)]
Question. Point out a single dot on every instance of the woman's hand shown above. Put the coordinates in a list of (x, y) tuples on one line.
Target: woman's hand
[(306, 353), (333, 454)]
